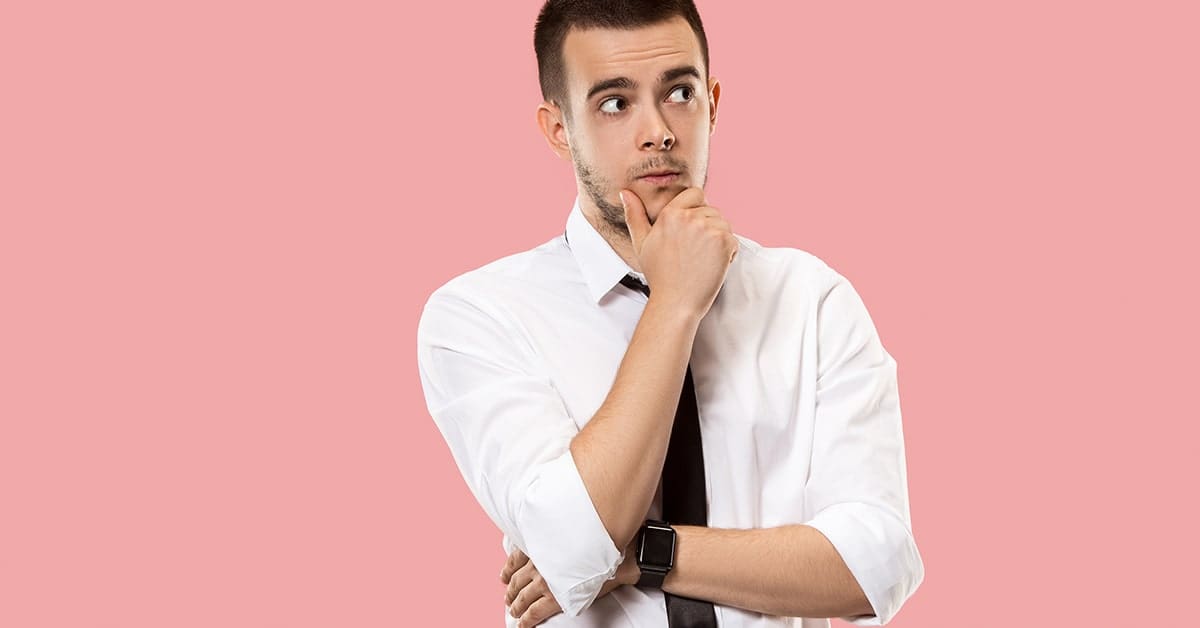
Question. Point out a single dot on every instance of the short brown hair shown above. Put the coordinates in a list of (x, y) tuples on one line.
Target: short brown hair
[(558, 17)]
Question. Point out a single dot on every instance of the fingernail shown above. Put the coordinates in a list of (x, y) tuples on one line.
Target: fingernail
[(622, 195)]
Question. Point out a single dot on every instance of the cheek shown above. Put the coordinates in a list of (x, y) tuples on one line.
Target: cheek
[(606, 155), (691, 126), (596, 141)]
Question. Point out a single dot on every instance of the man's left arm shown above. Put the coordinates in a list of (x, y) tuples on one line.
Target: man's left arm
[(855, 558), (791, 571)]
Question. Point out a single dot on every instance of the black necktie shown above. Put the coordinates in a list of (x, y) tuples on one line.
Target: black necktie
[(683, 496)]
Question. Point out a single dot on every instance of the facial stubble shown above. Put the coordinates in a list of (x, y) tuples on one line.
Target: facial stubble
[(612, 216)]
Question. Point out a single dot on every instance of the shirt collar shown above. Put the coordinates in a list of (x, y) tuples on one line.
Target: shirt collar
[(602, 268)]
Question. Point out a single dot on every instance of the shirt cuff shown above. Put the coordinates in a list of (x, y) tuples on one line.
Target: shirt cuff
[(566, 539), (879, 550)]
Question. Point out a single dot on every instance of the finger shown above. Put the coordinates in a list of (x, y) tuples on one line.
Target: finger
[(635, 218), (714, 219), (520, 579), (528, 595), (690, 197), (541, 610), (516, 560)]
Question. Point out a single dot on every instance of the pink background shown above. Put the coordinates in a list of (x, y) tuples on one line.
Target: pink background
[(221, 220)]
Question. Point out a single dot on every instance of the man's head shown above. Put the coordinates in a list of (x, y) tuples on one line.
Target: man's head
[(626, 92)]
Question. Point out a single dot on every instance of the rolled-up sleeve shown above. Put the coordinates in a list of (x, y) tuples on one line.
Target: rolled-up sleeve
[(510, 433), (857, 488)]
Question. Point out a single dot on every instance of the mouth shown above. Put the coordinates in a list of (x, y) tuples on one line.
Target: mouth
[(664, 177)]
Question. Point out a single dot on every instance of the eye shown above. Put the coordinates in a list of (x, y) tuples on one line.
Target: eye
[(610, 111), (689, 89)]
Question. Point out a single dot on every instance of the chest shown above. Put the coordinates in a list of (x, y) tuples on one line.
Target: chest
[(754, 365)]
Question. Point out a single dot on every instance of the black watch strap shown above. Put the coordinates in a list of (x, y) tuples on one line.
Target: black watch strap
[(655, 568), (651, 578)]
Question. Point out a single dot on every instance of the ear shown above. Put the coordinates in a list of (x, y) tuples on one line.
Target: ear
[(550, 122), (714, 95)]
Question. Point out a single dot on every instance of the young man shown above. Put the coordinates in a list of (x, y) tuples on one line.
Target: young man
[(671, 423)]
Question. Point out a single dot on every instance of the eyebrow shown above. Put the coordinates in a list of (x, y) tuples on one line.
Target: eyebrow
[(622, 82)]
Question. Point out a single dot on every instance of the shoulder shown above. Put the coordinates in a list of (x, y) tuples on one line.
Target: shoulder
[(784, 268), (486, 293)]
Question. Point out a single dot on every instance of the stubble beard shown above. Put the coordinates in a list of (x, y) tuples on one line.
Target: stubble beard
[(612, 216)]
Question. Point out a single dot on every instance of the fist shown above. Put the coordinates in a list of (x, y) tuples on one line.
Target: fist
[(686, 253)]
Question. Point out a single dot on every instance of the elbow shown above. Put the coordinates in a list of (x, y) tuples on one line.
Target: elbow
[(618, 519), (878, 549), (564, 536)]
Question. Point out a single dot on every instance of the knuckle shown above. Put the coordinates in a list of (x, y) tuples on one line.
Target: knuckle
[(532, 616)]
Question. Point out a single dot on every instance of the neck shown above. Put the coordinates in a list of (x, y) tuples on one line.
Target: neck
[(617, 239)]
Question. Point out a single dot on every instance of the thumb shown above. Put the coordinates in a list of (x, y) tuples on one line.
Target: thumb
[(635, 218)]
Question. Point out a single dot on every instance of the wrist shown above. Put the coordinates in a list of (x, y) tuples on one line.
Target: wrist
[(677, 313), (655, 553), (629, 572)]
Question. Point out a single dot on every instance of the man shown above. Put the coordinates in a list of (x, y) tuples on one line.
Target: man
[(672, 424)]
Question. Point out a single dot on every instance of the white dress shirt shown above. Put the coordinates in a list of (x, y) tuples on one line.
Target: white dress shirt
[(798, 404)]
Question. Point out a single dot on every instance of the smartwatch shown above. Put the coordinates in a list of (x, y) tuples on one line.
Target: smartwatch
[(655, 552)]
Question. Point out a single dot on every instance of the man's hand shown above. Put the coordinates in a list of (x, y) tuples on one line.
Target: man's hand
[(528, 597), (686, 254)]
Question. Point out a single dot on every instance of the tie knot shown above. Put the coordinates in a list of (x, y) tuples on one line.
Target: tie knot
[(632, 282)]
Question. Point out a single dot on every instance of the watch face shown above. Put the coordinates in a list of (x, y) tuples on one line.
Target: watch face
[(658, 547)]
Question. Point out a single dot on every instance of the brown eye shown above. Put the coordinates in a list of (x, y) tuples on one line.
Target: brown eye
[(610, 100), (689, 91)]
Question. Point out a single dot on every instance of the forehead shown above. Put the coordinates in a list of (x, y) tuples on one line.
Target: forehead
[(600, 53)]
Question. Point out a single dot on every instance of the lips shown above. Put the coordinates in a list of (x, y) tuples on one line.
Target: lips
[(660, 180), (660, 173)]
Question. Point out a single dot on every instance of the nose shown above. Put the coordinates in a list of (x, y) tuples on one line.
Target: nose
[(657, 134), (667, 141)]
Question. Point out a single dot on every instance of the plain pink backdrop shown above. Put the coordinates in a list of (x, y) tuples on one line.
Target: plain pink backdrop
[(221, 220)]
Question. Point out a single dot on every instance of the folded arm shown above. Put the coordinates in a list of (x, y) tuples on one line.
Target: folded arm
[(855, 558), (792, 571), (566, 497)]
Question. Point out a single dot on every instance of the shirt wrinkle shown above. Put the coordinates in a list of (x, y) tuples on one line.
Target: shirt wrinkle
[(517, 355)]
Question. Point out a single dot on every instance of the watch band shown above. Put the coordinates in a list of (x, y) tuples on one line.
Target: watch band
[(653, 574), (651, 578)]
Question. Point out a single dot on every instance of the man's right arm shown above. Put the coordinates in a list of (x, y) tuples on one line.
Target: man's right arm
[(621, 450), (554, 490), (509, 431), (512, 437)]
